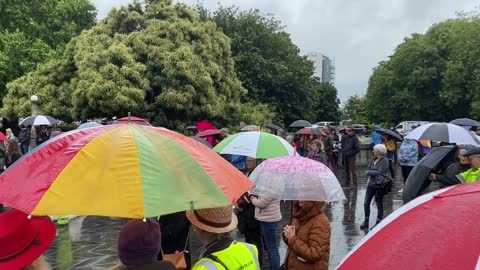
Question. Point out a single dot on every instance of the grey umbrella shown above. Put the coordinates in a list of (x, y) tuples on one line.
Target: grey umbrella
[(273, 126), (300, 124), (391, 133), (418, 181), (201, 140), (464, 122)]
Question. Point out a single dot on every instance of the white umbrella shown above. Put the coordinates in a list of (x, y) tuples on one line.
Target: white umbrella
[(443, 132), (39, 120), (296, 178)]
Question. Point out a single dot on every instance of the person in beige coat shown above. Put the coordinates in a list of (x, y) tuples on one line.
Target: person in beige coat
[(267, 212)]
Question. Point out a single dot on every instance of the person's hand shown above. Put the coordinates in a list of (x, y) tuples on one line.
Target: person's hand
[(433, 177), (289, 232)]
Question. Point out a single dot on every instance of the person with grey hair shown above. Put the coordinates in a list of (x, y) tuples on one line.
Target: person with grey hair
[(378, 173)]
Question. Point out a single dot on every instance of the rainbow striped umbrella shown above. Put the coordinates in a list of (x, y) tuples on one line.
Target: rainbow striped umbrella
[(127, 171)]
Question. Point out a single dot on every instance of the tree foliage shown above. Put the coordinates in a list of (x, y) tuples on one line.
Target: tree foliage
[(432, 76), (271, 68), (156, 60), (33, 31), (355, 109)]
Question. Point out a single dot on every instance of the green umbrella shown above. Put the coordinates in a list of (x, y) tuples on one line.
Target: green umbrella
[(256, 144)]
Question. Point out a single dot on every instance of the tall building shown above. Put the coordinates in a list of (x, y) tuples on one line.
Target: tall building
[(324, 67)]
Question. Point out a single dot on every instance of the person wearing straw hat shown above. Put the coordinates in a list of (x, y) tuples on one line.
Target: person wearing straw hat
[(23, 240), (213, 227)]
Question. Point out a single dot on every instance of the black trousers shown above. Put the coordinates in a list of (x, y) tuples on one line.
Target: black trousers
[(378, 194), (254, 237), (406, 170)]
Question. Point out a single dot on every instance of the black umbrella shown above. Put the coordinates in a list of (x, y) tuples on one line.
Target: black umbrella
[(191, 128), (201, 140), (300, 124), (390, 133), (464, 122), (273, 126), (417, 181)]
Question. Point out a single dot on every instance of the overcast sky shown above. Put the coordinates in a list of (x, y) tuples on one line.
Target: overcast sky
[(356, 34)]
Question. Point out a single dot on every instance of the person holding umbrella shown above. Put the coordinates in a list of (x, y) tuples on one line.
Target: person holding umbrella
[(449, 178), (391, 145), (378, 175), (308, 238), (408, 156)]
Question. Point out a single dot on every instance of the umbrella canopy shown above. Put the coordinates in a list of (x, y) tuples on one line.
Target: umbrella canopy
[(134, 120), (404, 240), (129, 171), (417, 181), (464, 122), (207, 133), (250, 128), (3, 137), (443, 132), (204, 125), (390, 133), (89, 125), (296, 178), (192, 128), (202, 141), (39, 120), (310, 131), (256, 144), (273, 126), (300, 124)]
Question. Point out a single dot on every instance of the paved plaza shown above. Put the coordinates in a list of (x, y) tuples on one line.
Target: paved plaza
[(90, 242)]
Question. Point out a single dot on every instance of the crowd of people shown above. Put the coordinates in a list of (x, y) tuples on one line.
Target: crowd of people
[(164, 243)]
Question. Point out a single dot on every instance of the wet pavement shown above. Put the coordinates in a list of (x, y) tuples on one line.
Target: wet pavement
[(90, 242)]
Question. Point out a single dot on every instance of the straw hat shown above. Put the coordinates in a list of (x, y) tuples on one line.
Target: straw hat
[(214, 220), (23, 239)]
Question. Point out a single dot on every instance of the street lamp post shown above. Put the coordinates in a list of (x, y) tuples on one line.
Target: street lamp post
[(33, 131)]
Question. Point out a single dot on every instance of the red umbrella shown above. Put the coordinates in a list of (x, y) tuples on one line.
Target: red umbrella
[(208, 133), (439, 230), (204, 125), (133, 119), (310, 131), (3, 137)]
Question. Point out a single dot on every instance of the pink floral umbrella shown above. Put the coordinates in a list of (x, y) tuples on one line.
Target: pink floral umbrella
[(296, 178)]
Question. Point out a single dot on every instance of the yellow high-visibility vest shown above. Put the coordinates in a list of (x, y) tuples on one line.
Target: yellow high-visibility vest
[(238, 256)]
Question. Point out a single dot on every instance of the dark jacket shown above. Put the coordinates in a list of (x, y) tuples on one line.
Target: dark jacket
[(319, 156), (11, 159), (175, 231), (350, 145), (379, 172), (449, 178), (246, 216), (24, 137), (309, 249), (328, 144), (161, 265)]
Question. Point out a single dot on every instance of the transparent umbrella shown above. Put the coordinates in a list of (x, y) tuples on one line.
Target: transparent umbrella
[(296, 179)]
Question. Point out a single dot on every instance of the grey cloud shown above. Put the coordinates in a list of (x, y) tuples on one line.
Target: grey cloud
[(356, 34)]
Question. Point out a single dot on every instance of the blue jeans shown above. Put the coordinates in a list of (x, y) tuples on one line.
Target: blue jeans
[(270, 239), (24, 149)]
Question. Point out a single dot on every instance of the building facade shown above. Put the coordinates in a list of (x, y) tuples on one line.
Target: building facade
[(324, 67)]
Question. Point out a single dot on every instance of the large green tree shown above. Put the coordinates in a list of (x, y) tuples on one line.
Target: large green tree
[(271, 68), (157, 60), (32, 32), (355, 109), (431, 76)]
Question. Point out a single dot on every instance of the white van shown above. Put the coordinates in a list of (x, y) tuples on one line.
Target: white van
[(405, 126)]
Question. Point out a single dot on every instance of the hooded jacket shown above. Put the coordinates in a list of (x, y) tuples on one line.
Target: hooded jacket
[(309, 249), (408, 153)]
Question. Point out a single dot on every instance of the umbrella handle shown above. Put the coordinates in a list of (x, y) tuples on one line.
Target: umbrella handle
[(129, 114)]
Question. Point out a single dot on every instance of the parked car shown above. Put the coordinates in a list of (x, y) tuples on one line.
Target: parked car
[(406, 126)]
